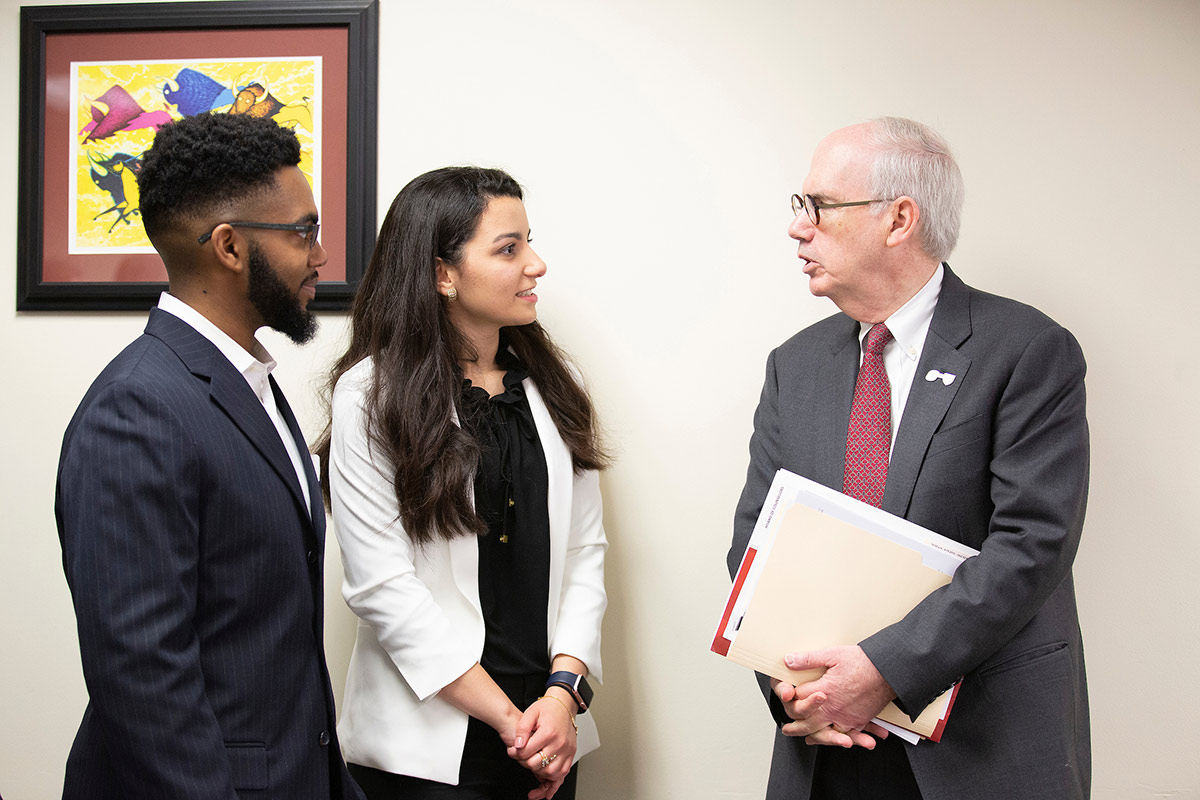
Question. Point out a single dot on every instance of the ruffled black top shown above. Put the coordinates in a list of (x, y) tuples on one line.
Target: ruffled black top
[(510, 494)]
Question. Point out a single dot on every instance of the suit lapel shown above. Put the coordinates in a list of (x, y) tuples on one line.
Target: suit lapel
[(928, 401), (230, 392), (832, 418), (316, 506)]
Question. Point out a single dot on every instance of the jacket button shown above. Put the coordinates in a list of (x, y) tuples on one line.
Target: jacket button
[(312, 556), (323, 738)]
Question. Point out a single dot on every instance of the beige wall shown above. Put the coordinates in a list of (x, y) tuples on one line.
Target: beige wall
[(659, 142)]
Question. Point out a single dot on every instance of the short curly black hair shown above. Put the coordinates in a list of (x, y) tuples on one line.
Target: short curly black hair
[(203, 161)]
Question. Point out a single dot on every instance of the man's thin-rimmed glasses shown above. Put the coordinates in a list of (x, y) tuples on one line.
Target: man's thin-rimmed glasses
[(809, 205), (308, 230)]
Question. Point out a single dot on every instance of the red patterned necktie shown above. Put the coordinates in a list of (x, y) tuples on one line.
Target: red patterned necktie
[(869, 437)]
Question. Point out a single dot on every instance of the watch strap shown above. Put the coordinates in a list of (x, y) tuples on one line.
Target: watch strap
[(576, 685)]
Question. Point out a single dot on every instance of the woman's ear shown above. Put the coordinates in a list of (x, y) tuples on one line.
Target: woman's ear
[(446, 275)]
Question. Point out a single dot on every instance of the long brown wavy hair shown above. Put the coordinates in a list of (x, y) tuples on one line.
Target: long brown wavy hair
[(401, 322)]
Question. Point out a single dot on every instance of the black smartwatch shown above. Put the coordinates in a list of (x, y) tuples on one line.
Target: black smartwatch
[(577, 685)]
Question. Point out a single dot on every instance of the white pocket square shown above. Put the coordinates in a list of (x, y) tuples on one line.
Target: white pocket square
[(945, 377)]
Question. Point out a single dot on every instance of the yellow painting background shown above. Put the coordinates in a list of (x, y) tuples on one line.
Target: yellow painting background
[(289, 81)]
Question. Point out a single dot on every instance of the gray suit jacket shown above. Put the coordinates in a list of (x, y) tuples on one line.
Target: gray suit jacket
[(997, 460), (196, 571)]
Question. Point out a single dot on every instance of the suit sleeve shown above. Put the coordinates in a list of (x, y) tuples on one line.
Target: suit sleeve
[(583, 600), (127, 514), (1038, 477), (381, 584), (764, 463)]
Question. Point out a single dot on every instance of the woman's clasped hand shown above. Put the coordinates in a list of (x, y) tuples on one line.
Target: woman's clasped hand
[(544, 742)]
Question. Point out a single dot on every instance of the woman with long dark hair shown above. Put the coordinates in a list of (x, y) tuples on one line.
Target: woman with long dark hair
[(461, 464)]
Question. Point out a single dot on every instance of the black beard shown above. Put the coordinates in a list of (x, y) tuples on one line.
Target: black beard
[(279, 308)]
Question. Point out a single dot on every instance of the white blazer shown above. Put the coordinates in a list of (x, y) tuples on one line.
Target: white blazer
[(420, 622)]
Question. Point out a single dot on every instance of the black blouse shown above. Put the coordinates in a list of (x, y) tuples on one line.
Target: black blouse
[(510, 494)]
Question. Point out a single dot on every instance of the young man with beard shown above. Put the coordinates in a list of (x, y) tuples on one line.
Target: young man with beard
[(188, 507)]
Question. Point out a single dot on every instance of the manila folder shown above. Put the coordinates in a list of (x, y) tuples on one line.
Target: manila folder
[(826, 583)]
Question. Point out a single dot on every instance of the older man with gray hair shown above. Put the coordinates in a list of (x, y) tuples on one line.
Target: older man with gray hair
[(964, 413)]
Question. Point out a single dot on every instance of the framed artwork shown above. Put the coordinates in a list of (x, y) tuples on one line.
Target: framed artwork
[(97, 81)]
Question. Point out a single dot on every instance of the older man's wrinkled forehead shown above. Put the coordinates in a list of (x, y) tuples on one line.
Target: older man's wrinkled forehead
[(841, 165)]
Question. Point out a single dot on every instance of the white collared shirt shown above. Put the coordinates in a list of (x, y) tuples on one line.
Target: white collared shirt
[(255, 367), (909, 326)]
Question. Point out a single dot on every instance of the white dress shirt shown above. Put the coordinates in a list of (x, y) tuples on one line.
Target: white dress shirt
[(909, 326), (255, 367)]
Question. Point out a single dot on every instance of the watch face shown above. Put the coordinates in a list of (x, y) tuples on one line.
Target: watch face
[(585, 691), (577, 685)]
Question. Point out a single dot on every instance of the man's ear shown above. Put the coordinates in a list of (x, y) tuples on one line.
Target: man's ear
[(230, 248), (904, 215), (446, 275)]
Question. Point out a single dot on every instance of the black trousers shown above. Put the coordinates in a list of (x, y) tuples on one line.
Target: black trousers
[(858, 774), (487, 773)]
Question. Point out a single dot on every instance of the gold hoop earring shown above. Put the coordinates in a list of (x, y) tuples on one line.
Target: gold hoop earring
[(452, 294)]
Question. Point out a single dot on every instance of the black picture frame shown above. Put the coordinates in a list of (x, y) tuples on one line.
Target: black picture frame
[(359, 18)]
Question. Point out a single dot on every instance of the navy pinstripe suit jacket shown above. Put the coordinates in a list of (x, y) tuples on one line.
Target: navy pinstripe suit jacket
[(196, 572)]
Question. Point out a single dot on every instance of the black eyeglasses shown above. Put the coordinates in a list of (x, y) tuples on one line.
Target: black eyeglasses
[(308, 230), (808, 204)]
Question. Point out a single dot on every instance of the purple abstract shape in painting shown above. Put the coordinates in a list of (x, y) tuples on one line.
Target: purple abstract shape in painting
[(122, 109), (150, 119), (197, 93)]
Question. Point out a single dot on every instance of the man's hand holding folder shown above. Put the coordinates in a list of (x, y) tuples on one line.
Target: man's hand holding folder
[(823, 570), (836, 708)]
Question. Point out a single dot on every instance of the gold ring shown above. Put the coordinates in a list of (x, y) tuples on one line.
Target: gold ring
[(545, 761)]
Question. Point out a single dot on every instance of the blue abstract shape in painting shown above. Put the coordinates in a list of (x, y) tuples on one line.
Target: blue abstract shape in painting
[(197, 93)]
